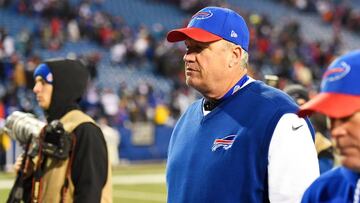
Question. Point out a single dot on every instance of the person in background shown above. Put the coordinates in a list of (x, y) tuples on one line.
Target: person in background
[(85, 174), (241, 142), (112, 138), (339, 100), (323, 145)]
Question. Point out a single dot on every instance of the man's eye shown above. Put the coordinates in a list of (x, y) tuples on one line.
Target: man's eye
[(194, 49), (42, 82), (199, 48)]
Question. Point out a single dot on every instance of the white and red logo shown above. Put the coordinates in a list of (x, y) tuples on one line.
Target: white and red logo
[(337, 72), (226, 142), (202, 15)]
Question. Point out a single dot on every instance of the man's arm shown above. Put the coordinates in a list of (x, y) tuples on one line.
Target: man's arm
[(293, 163), (89, 169)]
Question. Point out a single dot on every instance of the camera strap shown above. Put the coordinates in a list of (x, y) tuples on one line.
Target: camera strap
[(38, 174), (57, 185), (64, 188), (17, 191)]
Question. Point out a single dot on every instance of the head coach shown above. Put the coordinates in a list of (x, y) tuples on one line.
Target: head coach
[(243, 141)]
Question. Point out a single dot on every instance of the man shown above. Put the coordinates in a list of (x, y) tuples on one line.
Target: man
[(243, 141), (85, 175), (339, 100)]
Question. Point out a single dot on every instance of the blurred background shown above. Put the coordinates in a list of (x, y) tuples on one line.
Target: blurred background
[(137, 89)]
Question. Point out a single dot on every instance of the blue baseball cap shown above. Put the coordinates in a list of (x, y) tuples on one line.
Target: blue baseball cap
[(213, 24), (340, 89), (44, 72)]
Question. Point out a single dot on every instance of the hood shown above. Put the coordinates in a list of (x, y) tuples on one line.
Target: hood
[(69, 84)]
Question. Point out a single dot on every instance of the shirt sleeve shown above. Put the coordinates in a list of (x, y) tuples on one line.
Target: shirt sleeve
[(293, 163), (89, 169)]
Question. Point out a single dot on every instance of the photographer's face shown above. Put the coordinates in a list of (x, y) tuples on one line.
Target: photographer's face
[(43, 92)]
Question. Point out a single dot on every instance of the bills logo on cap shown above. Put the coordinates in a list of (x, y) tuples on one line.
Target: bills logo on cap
[(202, 15), (225, 142), (337, 72)]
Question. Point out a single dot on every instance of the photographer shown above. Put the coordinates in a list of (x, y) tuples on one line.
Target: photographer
[(85, 174)]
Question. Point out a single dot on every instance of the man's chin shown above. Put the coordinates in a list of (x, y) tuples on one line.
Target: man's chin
[(351, 163), (191, 82)]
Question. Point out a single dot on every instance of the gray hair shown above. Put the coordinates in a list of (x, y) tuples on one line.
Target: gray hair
[(244, 58), (244, 54)]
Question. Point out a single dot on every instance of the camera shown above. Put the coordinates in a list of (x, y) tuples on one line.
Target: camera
[(26, 129)]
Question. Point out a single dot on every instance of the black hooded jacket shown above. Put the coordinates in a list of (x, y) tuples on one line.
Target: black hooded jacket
[(89, 168), (70, 79)]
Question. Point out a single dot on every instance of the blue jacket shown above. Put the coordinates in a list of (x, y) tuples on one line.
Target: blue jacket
[(223, 156), (335, 186)]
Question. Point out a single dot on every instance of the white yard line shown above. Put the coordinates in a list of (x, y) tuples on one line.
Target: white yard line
[(136, 195), (116, 180), (138, 179), (6, 184)]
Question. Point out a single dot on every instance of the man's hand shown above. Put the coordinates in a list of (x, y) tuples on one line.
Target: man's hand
[(18, 162), (28, 169)]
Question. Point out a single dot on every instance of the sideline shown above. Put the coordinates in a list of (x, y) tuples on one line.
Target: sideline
[(116, 180), (138, 179), (136, 195)]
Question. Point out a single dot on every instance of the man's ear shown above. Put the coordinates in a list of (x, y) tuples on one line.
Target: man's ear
[(235, 56)]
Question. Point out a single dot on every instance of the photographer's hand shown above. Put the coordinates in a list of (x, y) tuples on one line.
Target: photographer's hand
[(28, 168), (17, 164)]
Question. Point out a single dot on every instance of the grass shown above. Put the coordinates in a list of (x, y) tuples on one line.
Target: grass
[(6, 176), (140, 193), (139, 169), (124, 190)]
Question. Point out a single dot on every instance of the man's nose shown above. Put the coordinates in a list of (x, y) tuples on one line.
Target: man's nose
[(36, 88), (189, 57), (337, 129)]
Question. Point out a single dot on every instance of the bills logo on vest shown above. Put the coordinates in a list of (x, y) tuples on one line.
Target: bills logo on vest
[(225, 142)]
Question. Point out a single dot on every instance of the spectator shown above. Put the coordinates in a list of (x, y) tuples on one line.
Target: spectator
[(339, 100)]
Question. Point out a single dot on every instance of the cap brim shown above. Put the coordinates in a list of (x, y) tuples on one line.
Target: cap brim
[(196, 34), (331, 104)]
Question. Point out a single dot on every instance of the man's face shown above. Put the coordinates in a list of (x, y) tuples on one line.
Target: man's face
[(346, 133), (206, 64), (43, 92)]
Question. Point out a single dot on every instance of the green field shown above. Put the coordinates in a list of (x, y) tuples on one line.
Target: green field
[(134, 183)]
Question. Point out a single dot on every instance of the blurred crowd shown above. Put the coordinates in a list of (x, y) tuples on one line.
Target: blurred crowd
[(127, 45), (340, 13)]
